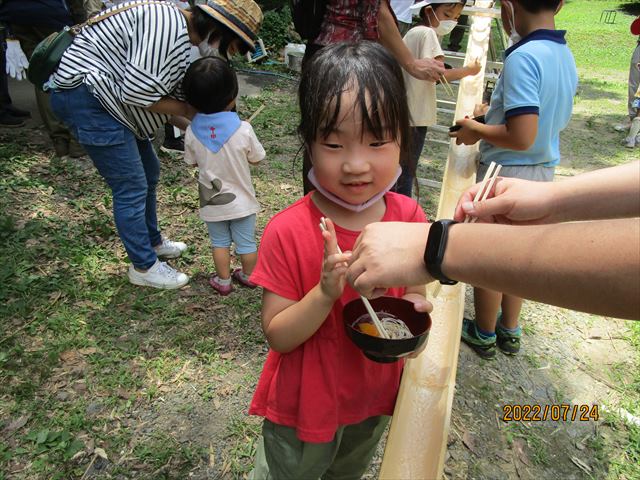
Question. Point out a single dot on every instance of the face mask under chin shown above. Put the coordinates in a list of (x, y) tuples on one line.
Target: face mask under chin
[(349, 206)]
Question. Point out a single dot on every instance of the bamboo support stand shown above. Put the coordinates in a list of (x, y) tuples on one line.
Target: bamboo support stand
[(417, 441)]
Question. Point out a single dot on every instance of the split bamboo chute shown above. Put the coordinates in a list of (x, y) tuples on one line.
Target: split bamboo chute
[(417, 441)]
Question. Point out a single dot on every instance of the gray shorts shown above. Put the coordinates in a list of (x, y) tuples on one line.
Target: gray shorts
[(535, 173)]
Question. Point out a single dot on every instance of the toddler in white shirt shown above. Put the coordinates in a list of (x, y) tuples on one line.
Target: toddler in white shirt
[(222, 146)]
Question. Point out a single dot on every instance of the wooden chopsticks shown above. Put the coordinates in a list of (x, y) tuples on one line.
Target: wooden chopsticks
[(485, 187), (446, 85)]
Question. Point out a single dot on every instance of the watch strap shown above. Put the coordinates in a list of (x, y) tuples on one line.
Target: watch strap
[(435, 250)]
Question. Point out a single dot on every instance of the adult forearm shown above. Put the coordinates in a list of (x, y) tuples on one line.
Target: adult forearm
[(588, 266), (172, 106), (294, 325), (390, 37), (607, 193)]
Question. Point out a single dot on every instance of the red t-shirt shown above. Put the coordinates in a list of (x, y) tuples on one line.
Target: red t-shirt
[(327, 381)]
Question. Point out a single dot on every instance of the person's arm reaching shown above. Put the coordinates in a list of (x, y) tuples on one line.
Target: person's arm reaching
[(589, 266), (174, 107), (607, 193), (518, 133), (454, 74), (422, 68)]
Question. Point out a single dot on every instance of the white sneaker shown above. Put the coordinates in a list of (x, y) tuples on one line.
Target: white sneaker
[(160, 275), (630, 142), (169, 249)]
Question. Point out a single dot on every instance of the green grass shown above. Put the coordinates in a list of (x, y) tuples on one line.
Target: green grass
[(601, 50), (81, 350)]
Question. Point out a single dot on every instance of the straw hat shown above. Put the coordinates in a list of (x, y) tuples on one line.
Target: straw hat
[(242, 16)]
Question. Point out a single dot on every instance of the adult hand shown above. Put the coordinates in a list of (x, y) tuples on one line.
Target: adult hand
[(379, 260), (16, 60), (468, 133), (511, 201), (426, 69)]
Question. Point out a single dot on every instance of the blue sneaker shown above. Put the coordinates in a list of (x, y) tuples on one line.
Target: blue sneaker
[(485, 347), (508, 341)]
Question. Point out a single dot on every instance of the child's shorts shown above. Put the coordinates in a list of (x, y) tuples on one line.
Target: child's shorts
[(636, 104), (535, 173), (242, 231), (281, 454)]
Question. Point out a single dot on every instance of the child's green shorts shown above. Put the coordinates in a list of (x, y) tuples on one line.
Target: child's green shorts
[(281, 456)]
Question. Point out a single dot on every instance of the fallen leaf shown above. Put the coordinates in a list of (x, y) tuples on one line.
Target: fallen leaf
[(518, 447), (55, 296), (581, 465), (101, 453), (227, 355), (503, 456), (212, 457), (16, 424), (195, 308), (122, 393), (469, 441)]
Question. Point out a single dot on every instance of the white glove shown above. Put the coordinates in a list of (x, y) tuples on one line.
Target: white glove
[(17, 62)]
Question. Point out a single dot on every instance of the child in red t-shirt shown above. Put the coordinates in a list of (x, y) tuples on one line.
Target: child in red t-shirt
[(325, 404)]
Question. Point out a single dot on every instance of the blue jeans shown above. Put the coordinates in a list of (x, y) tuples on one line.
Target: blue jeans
[(404, 185), (129, 166)]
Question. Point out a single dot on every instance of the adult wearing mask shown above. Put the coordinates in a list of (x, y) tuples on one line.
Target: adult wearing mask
[(119, 82)]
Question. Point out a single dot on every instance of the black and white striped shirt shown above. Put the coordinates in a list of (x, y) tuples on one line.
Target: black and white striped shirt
[(130, 61)]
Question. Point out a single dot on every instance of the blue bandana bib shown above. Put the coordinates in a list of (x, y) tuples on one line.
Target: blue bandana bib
[(214, 129)]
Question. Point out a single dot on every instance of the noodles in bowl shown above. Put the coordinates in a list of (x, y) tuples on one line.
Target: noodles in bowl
[(394, 327), (409, 329)]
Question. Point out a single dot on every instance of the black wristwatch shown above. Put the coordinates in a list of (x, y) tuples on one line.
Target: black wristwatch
[(434, 251)]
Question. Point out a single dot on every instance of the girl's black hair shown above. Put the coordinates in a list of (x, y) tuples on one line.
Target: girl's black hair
[(377, 76), (210, 84), (210, 29)]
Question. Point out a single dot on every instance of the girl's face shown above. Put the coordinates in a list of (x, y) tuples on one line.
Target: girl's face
[(439, 12), (351, 163)]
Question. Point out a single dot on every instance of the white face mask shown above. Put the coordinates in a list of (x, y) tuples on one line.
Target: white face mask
[(349, 206), (514, 37), (207, 50), (445, 27)]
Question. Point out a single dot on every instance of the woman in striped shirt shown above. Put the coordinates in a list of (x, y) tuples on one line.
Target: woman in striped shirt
[(119, 82)]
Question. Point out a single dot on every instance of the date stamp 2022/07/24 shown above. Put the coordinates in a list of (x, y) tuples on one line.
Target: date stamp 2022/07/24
[(562, 412)]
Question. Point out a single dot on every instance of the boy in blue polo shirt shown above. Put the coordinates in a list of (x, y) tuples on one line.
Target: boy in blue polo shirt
[(530, 105)]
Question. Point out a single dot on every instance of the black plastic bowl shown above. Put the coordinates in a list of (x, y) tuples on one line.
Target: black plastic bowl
[(381, 349)]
